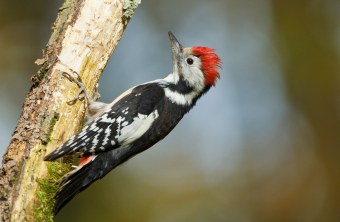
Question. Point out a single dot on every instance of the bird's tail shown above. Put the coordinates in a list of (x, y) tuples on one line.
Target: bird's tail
[(95, 168)]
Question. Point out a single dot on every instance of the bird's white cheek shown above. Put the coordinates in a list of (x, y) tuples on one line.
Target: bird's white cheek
[(194, 76)]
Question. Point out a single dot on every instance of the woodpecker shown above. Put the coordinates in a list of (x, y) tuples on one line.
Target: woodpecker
[(136, 120)]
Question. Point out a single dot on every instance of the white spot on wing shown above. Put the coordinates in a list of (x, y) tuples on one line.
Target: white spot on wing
[(93, 127), (125, 111), (94, 143), (141, 116), (106, 119), (137, 128), (107, 134), (120, 119)]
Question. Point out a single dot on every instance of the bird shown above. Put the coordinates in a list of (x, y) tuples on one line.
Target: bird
[(135, 120)]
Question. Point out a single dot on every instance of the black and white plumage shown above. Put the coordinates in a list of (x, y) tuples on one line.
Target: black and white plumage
[(137, 119)]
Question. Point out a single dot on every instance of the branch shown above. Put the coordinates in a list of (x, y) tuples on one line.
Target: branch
[(84, 36)]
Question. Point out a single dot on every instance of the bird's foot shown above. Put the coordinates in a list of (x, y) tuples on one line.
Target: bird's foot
[(82, 92)]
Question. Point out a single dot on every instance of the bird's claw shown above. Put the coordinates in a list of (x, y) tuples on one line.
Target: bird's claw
[(82, 92)]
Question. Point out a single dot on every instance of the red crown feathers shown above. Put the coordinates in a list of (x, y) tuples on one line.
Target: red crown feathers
[(210, 63)]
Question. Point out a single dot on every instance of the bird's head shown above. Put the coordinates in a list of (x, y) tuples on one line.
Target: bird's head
[(197, 66)]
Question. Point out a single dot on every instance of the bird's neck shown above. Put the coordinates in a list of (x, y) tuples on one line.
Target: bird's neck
[(180, 92)]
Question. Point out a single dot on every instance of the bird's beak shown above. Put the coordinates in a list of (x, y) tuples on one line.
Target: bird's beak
[(177, 49), (175, 45)]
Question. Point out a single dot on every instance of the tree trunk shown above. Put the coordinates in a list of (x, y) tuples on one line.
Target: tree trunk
[(84, 36)]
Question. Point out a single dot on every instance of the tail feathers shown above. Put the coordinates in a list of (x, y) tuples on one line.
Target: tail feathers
[(72, 184), (88, 172), (82, 177)]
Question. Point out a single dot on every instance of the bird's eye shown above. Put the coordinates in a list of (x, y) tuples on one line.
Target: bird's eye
[(190, 61)]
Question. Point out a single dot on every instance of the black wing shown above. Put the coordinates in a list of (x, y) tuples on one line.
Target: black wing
[(124, 123)]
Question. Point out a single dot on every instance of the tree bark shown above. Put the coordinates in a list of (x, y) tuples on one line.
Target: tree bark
[(84, 36)]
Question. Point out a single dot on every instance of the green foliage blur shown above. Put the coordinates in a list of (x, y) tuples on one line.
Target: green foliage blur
[(264, 145)]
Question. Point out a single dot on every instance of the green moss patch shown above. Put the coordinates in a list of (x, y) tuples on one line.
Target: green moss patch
[(47, 188)]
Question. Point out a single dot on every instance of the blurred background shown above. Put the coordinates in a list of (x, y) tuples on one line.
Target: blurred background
[(264, 145)]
